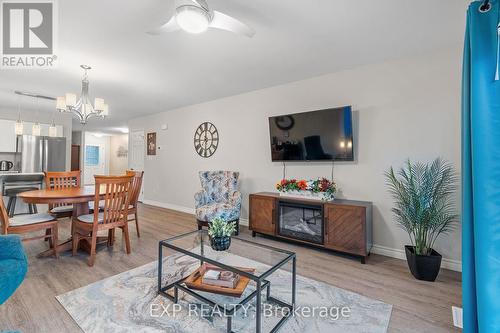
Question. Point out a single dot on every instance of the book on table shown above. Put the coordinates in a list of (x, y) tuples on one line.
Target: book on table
[(219, 278)]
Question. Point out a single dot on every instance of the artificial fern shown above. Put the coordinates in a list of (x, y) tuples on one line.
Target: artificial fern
[(220, 228), (423, 201)]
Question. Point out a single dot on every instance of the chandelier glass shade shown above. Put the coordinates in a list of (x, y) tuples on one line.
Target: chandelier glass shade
[(83, 107)]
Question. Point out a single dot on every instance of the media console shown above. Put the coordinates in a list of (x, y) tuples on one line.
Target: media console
[(341, 225)]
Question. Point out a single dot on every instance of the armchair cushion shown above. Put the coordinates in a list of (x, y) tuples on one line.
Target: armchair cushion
[(219, 196), (13, 265), (224, 211)]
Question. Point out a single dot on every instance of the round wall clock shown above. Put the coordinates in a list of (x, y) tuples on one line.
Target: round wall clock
[(206, 139), (284, 122)]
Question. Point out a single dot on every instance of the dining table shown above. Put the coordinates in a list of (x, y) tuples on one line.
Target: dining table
[(79, 197)]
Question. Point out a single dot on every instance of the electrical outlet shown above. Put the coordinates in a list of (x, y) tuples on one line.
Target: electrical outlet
[(457, 316)]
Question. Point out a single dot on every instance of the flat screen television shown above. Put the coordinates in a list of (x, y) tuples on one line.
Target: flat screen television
[(323, 135)]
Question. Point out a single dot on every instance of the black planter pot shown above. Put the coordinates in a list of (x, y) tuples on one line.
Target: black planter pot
[(424, 268), (220, 243)]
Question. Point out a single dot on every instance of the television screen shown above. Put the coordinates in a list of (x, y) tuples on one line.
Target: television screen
[(313, 136)]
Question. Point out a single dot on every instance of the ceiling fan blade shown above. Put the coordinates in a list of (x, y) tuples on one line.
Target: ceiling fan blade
[(201, 3), (170, 26), (226, 22)]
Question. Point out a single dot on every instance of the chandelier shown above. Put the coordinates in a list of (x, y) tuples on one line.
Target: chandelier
[(82, 107)]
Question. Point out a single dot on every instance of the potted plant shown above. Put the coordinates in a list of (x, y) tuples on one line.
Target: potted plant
[(424, 208), (220, 233)]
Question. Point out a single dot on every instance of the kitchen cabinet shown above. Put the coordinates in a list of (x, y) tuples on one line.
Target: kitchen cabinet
[(7, 136)]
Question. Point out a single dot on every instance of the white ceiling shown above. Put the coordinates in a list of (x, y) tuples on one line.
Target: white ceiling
[(141, 74)]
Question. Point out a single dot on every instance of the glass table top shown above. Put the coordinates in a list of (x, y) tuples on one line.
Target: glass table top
[(242, 253)]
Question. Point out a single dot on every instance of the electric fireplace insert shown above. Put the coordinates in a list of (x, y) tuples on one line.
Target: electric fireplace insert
[(301, 221)]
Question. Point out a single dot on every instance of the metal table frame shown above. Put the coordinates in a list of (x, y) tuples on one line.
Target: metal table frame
[(260, 281)]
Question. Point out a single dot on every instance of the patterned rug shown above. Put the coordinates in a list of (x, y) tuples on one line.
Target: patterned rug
[(128, 302)]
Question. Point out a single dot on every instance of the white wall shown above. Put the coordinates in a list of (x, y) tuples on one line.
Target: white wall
[(408, 108), (118, 164)]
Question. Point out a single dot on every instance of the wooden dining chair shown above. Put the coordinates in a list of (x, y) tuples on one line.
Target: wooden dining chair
[(59, 181), (134, 196), (27, 223), (117, 190)]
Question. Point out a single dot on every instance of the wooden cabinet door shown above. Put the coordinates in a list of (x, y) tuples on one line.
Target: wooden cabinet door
[(262, 213), (345, 228)]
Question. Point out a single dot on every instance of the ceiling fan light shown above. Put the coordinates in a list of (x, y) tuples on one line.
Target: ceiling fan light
[(192, 19)]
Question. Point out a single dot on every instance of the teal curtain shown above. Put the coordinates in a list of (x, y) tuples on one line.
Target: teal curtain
[(481, 171)]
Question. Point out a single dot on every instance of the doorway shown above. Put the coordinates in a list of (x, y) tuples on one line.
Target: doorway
[(94, 162), (137, 150), (75, 157)]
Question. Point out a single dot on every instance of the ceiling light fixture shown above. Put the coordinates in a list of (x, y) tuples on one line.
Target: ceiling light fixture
[(192, 19), (19, 127), (36, 129), (83, 108)]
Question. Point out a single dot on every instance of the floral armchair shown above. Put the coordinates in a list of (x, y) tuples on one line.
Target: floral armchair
[(219, 197)]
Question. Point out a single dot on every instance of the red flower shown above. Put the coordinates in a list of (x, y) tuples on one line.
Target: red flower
[(302, 184), (283, 182)]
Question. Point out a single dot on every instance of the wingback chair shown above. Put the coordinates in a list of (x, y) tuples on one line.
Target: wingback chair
[(219, 197)]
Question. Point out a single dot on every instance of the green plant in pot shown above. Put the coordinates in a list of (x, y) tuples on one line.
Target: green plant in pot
[(424, 208), (220, 233)]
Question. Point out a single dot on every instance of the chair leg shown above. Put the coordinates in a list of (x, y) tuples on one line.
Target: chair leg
[(237, 227), (49, 237), (137, 224), (93, 246), (9, 205), (13, 207), (55, 241), (110, 237), (76, 240), (127, 238), (35, 209)]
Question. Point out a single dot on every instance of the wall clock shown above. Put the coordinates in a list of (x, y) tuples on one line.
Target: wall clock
[(284, 122), (206, 139)]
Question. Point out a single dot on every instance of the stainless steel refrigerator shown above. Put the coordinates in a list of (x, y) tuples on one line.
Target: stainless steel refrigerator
[(40, 154)]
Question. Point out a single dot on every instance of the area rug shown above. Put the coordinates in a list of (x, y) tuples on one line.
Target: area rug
[(128, 302)]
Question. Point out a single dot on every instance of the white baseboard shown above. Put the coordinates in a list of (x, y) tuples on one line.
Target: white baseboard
[(454, 265), (169, 206)]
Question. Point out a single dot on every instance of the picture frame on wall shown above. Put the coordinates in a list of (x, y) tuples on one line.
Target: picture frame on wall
[(151, 143)]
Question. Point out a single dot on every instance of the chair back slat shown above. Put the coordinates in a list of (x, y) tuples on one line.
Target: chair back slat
[(62, 180), (136, 186), (117, 195), (4, 217)]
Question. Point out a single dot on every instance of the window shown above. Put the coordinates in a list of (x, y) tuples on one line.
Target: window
[(91, 155)]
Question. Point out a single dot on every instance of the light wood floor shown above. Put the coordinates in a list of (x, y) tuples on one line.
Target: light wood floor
[(418, 306)]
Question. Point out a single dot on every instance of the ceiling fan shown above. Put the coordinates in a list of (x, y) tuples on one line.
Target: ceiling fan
[(194, 16)]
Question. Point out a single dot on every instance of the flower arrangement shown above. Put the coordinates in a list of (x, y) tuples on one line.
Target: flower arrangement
[(320, 185)]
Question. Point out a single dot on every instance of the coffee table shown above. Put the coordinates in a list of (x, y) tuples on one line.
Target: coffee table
[(196, 244)]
